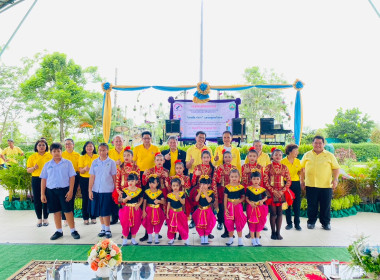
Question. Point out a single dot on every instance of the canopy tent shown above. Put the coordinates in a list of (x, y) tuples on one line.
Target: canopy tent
[(201, 96)]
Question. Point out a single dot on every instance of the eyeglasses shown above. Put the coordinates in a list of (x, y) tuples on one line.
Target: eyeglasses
[(146, 138)]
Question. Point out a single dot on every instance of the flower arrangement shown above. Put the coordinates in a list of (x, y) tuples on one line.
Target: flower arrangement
[(365, 256), (104, 254)]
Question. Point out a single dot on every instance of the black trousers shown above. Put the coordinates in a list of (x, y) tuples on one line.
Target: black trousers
[(72, 201), (318, 197), (220, 214), (296, 188), (39, 207), (83, 181)]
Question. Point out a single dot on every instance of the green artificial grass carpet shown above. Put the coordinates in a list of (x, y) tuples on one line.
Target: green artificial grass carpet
[(15, 256)]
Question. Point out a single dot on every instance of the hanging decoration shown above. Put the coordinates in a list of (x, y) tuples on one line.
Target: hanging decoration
[(202, 93)]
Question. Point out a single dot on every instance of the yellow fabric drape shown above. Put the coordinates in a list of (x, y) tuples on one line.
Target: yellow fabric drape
[(107, 112)]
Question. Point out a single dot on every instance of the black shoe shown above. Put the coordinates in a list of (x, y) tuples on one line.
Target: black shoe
[(219, 227), (192, 225), (159, 236), (144, 238), (297, 227), (75, 235), (229, 244), (248, 236), (288, 227), (326, 227), (179, 237), (108, 234), (210, 236), (114, 222), (265, 228), (102, 233), (279, 237), (56, 235), (310, 226), (224, 235), (273, 236)]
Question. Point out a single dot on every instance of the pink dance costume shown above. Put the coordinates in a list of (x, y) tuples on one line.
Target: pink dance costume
[(257, 216), (235, 212), (204, 217), (130, 219), (177, 221), (154, 215)]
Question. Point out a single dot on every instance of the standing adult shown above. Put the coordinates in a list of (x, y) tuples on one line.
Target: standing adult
[(218, 154), (294, 165), (34, 166), (194, 153), (173, 154), (144, 154), (320, 178), (72, 156), (10, 152), (2, 159), (263, 158), (116, 154)]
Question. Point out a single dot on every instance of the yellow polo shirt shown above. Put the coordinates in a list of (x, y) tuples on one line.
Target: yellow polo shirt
[(113, 154), (173, 158), (294, 168), (73, 157), (263, 160), (10, 153), (1, 160), (236, 160), (84, 161), (318, 168), (144, 158), (195, 153), (36, 158)]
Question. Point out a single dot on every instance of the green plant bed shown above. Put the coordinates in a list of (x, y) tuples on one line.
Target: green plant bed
[(16, 204), (78, 213), (370, 207)]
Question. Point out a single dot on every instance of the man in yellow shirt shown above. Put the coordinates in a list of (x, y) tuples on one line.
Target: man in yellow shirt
[(218, 155), (320, 178), (173, 154), (117, 153), (143, 154), (194, 153), (10, 152), (263, 158), (2, 159)]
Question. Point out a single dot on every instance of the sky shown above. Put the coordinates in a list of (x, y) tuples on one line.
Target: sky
[(332, 46)]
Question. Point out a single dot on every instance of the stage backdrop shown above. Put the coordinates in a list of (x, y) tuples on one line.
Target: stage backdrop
[(213, 117)]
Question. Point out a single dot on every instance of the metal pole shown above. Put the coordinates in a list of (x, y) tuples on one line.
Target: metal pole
[(115, 92), (18, 27), (373, 6), (201, 55)]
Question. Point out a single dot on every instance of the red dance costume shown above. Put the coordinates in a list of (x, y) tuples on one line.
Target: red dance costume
[(221, 179), (205, 170), (185, 187), (155, 216), (204, 217), (246, 177), (162, 174), (277, 177), (130, 218), (257, 216), (177, 221), (235, 212), (122, 176)]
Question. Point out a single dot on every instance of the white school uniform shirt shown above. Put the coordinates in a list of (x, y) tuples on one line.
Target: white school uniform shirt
[(103, 170), (58, 175)]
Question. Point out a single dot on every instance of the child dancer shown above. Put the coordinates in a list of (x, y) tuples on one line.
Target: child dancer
[(176, 218), (153, 216), (234, 196), (204, 217), (130, 214), (221, 179), (277, 181), (249, 166), (256, 209)]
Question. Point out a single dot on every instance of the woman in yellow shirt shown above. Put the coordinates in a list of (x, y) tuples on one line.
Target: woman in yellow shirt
[(294, 166), (34, 166), (84, 164)]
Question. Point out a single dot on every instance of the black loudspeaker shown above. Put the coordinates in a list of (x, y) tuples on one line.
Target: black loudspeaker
[(172, 126), (266, 125), (237, 125)]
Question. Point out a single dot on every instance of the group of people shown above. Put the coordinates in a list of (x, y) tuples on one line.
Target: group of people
[(149, 188)]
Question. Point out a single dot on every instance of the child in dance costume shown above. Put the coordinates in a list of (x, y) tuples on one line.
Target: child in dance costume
[(247, 168), (221, 179), (256, 209), (176, 218), (234, 196), (277, 181), (130, 214), (204, 217), (153, 216)]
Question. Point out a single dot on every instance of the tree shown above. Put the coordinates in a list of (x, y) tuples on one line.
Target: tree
[(375, 136), (261, 103), (350, 126), (56, 91)]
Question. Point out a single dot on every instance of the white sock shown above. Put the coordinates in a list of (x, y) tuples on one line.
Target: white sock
[(133, 241), (253, 240), (187, 241), (171, 241), (60, 230), (240, 241), (258, 241), (149, 238), (72, 230), (125, 241), (202, 239), (231, 240), (107, 228), (156, 238), (103, 227), (206, 239)]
